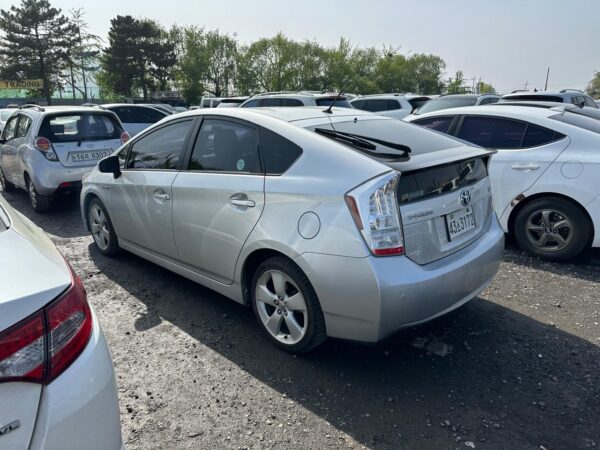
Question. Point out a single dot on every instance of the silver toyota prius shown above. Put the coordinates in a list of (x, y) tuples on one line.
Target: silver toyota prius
[(328, 222)]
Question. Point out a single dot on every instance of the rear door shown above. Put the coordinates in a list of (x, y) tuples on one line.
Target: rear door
[(525, 151), (141, 198), (82, 139), (8, 149), (218, 200)]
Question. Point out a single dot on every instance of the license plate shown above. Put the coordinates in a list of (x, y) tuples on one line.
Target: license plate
[(89, 156), (460, 222)]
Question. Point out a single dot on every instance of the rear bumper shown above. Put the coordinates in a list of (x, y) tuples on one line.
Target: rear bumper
[(48, 176), (80, 409), (367, 299)]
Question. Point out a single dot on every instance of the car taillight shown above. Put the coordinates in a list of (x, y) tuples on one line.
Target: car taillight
[(374, 208), (125, 137), (45, 146), (45, 344)]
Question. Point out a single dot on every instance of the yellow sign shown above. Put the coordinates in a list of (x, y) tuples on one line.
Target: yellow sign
[(21, 84)]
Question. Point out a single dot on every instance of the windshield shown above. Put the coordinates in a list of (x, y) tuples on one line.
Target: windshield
[(418, 139), (4, 115), (579, 120), (340, 102), (80, 127), (446, 102)]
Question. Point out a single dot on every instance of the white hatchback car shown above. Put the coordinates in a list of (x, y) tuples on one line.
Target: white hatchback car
[(544, 176), (397, 106), (57, 382)]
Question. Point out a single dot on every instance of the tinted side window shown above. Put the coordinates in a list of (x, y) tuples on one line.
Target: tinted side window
[(124, 114), (375, 105), (292, 102), (271, 102), (536, 136), (278, 152), (147, 115), (23, 127), (160, 149), (226, 146), (492, 132), (11, 128), (358, 104), (486, 101), (251, 104), (591, 103), (494, 100), (393, 104), (441, 124)]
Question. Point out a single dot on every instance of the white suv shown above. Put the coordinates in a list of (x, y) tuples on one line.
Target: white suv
[(397, 106), (304, 98), (572, 96), (46, 151)]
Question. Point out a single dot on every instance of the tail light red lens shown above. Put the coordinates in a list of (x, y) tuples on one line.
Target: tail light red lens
[(125, 137), (42, 144), (45, 344)]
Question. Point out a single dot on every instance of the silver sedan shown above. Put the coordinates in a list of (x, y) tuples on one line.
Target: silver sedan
[(328, 222)]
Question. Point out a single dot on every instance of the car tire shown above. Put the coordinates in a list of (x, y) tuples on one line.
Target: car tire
[(552, 228), (39, 203), (101, 227), (6, 185), (286, 306)]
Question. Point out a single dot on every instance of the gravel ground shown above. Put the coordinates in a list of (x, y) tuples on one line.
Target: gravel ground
[(516, 368)]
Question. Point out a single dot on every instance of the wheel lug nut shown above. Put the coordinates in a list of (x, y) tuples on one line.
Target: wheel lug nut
[(277, 302), (278, 311)]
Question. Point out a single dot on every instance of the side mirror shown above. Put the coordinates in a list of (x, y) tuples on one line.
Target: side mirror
[(110, 165)]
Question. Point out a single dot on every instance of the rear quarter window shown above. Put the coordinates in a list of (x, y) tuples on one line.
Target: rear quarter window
[(278, 153), (441, 124)]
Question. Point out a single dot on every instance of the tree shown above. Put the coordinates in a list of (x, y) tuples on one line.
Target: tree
[(35, 44), (484, 88), (139, 57), (456, 85), (593, 88), (82, 54)]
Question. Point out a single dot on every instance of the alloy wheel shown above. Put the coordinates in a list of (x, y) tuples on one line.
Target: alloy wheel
[(99, 227), (32, 194), (549, 230), (281, 307)]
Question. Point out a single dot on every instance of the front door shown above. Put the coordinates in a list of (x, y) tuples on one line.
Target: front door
[(219, 199), (8, 150), (142, 197)]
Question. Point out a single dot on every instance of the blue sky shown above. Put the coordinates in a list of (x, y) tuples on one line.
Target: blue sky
[(505, 42)]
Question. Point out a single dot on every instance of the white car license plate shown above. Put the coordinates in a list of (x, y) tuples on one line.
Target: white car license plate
[(460, 222), (89, 156)]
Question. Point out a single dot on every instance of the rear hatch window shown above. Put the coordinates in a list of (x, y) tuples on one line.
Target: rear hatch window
[(535, 98), (82, 139), (438, 180), (80, 127), (447, 102)]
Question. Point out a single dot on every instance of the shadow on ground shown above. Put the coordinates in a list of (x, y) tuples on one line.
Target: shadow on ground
[(509, 382), (63, 220)]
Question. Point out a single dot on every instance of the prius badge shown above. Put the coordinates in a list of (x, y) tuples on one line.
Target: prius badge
[(465, 197)]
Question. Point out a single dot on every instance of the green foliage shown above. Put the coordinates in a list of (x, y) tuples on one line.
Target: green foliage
[(484, 88), (593, 88), (35, 43), (456, 85), (140, 57)]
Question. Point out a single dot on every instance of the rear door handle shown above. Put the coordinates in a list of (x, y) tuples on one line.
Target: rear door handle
[(242, 200), (161, 195), (525, 167), (243, 203)]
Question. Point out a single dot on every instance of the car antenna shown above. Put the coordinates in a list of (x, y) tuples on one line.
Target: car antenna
[(328, 110)]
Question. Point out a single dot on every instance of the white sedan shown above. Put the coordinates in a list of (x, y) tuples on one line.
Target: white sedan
[(544, 176), (57, 382)]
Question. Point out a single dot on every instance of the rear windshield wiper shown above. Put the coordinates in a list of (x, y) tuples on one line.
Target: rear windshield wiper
[(366, 144)]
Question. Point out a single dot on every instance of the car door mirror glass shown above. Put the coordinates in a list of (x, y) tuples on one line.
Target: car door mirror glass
[(110, 165)]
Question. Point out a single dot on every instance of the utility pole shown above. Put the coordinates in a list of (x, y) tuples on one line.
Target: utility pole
[(547, 75)]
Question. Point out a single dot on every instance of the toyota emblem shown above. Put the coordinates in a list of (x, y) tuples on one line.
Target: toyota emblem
[(465, 197)]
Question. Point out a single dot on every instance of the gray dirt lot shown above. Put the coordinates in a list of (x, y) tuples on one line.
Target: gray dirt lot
[(194, 372)]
